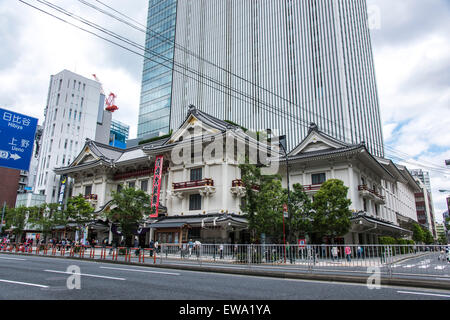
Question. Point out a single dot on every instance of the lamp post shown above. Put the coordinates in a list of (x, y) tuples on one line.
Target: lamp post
[(286, 209)]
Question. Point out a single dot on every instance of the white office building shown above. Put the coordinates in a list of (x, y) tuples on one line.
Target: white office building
[(74, 112), (263, 64)]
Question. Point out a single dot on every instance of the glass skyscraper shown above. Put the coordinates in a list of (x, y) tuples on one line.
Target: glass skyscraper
[(156, 90), (273, 64)]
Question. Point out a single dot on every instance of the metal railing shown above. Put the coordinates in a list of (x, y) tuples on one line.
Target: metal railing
[(391, 259)]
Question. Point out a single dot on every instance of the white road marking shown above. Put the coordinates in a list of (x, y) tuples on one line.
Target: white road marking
[(445, 279), (24, 283), (1, 257), (424, 267), (439, 268), (146, 271), (86, 275), (425, 294)]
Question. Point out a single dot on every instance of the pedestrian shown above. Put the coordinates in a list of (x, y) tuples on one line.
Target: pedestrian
[(157, 246), (334, 253), (152, 247), (289, 253), (190, 245), (348, 253), (197, 246), (136, 245), (221, 251)]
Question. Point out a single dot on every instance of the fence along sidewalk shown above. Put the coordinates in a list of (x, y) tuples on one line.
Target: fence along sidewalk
[(392, 259)]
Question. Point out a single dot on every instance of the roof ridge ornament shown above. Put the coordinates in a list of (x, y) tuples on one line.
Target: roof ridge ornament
[(313, 127)]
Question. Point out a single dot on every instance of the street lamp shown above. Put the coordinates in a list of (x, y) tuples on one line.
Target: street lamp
[(283, 144)]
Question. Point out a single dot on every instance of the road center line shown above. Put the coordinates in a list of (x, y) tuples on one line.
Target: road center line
[(146, 271), (86, 275), (24, 283), (425, 294), (1, 257)]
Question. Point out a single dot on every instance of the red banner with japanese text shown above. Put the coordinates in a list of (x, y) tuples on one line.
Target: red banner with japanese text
[(156, 190)]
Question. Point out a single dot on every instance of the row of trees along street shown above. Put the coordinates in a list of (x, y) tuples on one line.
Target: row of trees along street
[(327, 215), (130, 207)]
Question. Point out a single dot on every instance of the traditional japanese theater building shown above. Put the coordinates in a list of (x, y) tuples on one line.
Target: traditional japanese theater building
[(200, 190)]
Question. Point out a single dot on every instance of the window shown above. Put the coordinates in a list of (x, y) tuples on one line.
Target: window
[(81, 104), (119, 187), (84, 86), (131, 184), (75, 116), (79, 117), (56, 112), (88, 190), (57, 99), (60, 83), (65, 144), (196, 174), (318, 178), (365, 205), (53, 130), (195, 202), (144, 185)]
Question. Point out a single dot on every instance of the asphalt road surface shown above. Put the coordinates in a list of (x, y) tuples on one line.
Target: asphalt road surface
[(41, 278)]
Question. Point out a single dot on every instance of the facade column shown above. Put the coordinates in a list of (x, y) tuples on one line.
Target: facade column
[(351, 185)]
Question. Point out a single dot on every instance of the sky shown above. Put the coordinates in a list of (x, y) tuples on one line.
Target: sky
[(411, 45)]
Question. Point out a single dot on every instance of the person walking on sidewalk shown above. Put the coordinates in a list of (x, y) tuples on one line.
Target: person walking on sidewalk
[(191, 245), (221, 251), (348, 253)]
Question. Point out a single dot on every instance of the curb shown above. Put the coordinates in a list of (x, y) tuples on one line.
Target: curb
[(416, 283)]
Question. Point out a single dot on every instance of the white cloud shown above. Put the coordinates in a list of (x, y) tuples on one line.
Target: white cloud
[(412, 60)]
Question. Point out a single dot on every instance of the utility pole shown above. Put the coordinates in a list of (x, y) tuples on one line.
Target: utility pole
[(3, 215)]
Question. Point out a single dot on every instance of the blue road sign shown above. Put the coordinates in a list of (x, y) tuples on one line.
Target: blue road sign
[(17, 133)]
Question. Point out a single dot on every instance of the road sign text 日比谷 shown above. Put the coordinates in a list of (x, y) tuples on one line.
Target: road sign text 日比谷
[(17, 132)]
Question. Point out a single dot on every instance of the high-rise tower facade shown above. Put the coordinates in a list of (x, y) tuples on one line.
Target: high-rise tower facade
[(75, 111), (278, 65)]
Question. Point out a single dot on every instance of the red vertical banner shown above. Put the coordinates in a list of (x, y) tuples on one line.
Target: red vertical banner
[(157, 185)]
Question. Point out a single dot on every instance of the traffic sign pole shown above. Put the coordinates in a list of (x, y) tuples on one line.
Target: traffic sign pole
[(3, 215)]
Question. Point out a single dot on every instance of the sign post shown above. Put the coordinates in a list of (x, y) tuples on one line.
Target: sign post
[(285, 215), (17, 133)]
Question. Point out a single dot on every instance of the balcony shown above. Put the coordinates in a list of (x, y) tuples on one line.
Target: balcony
[(370, 194), (205, 187), (312, 188), (237, 188), (238, 183), (91, 197)]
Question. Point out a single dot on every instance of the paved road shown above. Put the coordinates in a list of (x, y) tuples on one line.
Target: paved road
[(40, 278)]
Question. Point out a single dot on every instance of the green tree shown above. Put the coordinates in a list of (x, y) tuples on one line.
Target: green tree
[(131, 205), (428, 237), (263, 202), (79, 211), (331, 210), (16, 219), (300, 220), (418, 234), (442, 239)]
